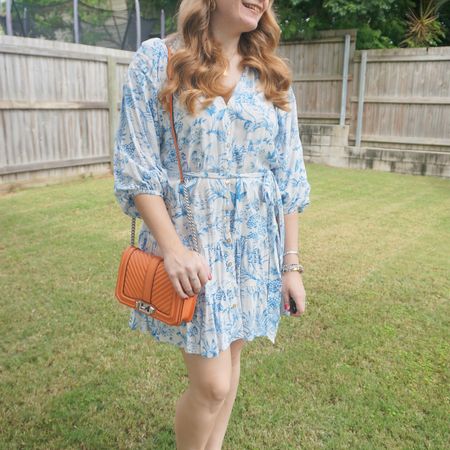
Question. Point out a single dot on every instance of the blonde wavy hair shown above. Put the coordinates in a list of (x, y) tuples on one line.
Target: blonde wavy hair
[(199, 65)]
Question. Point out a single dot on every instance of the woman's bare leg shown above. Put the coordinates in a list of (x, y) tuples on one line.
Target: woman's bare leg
[(198, 406), (217, 436)]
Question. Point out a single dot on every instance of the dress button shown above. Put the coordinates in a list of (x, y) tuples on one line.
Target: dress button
[(228, 239), (227, 182)]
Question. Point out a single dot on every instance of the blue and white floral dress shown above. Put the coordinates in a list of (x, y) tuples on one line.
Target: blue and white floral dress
[(243, 167)]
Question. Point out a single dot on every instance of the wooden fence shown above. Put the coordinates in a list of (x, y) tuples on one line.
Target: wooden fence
[(322, 76), (402, 99), (59, 102)]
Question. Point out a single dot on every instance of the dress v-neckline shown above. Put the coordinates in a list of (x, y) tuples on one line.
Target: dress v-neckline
[(235, 89)]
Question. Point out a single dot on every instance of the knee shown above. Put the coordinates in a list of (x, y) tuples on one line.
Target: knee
[(213, 392)]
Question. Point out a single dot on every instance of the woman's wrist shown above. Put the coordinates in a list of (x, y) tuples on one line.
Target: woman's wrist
[(293, 267), (291, 262), (291, 258)]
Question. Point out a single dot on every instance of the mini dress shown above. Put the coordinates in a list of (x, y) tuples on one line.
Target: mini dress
[(244, 169)]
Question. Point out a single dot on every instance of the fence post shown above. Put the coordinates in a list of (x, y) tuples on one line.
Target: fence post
[(163, 24), (138, 23), (362, 87), (344, 80), (9, 27), (112, 106), (76, 25)]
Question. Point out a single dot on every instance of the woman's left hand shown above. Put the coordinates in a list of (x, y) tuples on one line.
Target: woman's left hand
[(292, 286)]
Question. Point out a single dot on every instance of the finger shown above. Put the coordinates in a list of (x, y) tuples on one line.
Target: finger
[(286, 302), (202, 270), (197, 279), (178, 288), (300, 308), (206, 269), (196, 283), (186, 284), (203, 277)]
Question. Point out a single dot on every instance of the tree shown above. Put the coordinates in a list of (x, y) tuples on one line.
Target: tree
[(380, 23)]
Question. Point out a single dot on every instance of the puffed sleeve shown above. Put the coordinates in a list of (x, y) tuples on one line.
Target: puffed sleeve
[(137, 161), (290, 171)]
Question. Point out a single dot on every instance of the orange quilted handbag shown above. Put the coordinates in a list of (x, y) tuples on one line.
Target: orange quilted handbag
[(143, 283)]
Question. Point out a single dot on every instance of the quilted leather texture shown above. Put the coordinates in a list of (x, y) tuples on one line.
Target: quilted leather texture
[(142, 277)]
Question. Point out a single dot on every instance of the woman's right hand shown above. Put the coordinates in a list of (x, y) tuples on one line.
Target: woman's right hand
[(187, 269)]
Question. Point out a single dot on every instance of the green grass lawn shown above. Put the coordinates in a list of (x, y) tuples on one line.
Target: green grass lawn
[(366, 367)]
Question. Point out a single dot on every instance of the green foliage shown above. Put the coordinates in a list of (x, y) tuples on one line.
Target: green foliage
[(367, 37), (379, 23)]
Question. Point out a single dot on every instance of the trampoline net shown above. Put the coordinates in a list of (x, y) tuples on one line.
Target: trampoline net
[(105, 23)]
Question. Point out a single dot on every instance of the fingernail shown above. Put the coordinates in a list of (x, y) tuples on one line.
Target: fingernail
[(210, 276)]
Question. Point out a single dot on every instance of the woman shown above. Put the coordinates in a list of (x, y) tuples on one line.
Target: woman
[(236, 122)]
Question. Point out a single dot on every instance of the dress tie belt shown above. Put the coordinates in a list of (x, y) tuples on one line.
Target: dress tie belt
[(270, 194), (207, 174)]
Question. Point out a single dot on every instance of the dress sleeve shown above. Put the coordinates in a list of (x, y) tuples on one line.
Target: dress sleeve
[(137, 160), (290, 172)]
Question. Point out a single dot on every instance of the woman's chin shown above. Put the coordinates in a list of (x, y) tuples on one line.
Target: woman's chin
[(248, 18), (248, 24)]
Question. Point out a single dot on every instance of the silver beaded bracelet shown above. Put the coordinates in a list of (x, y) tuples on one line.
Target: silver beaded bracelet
[(292, 268)]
